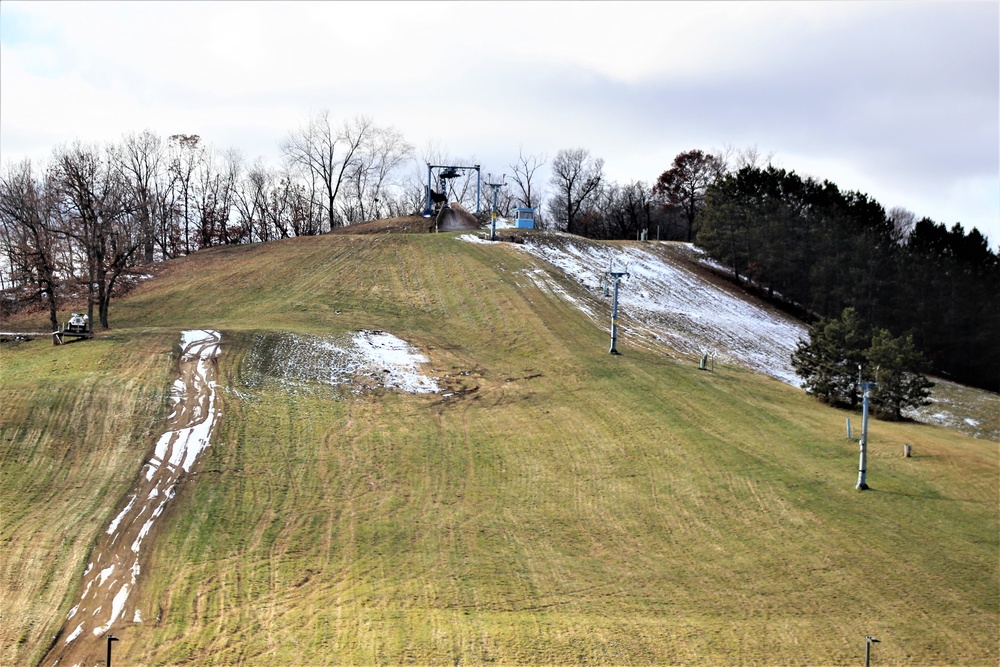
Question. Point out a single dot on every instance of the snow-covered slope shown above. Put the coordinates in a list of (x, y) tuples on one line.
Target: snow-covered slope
[(664, 303)]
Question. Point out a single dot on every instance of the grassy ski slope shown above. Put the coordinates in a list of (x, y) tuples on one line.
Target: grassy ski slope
[(551, 504)]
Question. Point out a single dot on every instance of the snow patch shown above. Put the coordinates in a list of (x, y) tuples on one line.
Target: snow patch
[(116, 609), (362, 359), (114, 523), (476, 238), (105, 573), (397, 358), (666, 302), (76, 633)]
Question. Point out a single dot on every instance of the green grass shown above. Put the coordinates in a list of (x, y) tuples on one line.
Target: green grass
[(563, 507)]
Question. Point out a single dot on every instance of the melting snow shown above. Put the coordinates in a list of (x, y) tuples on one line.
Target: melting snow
[(116, 609), (175, 450), (666, 302), (117, 519), (397, 359), (476, 238), (105, 573), (76, 633), (368, 358)]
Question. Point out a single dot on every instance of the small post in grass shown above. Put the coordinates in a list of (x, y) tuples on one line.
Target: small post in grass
[(869, 640), (111, 638)]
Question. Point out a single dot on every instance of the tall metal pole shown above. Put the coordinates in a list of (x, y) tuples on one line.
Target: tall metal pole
[(493, 227), (478, 189), (863, 465), (616, 276), (427, 211)]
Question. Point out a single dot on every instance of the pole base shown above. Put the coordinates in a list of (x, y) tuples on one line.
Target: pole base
[(862, 487)]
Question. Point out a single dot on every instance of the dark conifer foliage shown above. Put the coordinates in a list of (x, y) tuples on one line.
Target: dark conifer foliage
[(825, 250), (843, 352)]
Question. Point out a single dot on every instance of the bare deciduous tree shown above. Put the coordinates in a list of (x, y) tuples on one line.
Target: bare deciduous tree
[(96, 214), (903, 221), (186, 154), (382, 151), (141, 161), (576, 178), (685, 183), (523, 177), (327, 154), (29, 233)]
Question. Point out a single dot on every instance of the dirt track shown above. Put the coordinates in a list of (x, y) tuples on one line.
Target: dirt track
[(122, 550)]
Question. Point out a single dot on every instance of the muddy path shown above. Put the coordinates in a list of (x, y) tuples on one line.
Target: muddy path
[(122, 550)]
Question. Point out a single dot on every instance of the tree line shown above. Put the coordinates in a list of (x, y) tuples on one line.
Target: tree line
[(825, 250), (93, 212), (83, 221)]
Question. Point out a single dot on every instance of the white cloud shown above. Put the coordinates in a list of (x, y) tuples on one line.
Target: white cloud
[(903, 95)]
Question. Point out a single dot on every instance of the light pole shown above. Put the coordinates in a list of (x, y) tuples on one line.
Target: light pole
[(869, 640), (111, 638)]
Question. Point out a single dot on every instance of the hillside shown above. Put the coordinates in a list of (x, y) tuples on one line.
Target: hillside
[(542, 503)]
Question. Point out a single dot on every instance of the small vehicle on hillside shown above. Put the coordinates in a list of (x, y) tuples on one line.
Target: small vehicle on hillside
[(78, 323)]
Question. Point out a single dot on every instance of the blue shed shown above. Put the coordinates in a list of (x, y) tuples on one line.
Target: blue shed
[(524, 218)]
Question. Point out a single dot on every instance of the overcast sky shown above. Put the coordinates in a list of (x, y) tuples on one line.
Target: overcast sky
[(900, 100)]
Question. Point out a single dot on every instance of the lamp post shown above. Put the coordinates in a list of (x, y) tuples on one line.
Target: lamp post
[(111, 638), (869, 640)]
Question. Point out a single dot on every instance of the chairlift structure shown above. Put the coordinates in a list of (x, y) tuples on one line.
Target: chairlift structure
[(445, 173)]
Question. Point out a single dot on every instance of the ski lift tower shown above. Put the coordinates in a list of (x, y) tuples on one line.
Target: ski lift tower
[(447, 172), (615, 276), (493, 216), (863, 465)]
